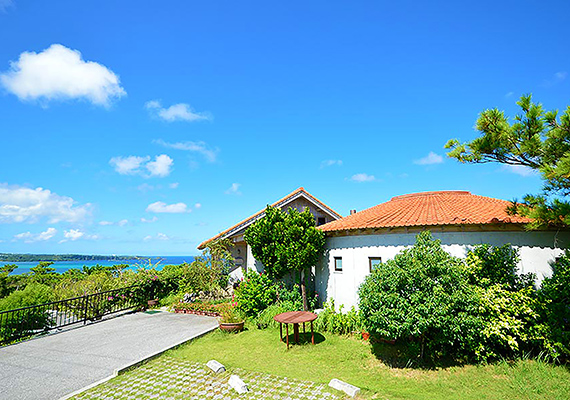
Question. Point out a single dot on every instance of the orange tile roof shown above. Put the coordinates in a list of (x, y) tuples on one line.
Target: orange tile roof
[(429, 209), (259, 214)]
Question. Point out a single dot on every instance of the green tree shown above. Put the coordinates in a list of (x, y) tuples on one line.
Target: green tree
[(286, 241), (536, 139)]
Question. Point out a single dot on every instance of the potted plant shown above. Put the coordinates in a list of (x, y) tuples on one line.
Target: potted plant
[(231, 318)]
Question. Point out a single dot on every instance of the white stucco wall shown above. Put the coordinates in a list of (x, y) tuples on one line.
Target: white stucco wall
[(536, 249)]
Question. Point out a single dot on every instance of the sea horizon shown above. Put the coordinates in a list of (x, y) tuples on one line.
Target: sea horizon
[(143, 261)]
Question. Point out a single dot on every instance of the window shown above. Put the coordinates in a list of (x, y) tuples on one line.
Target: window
[(320, 221), (373, 262), (338, 264)]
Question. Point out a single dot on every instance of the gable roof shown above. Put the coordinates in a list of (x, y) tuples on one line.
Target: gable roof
[(301, 192), (452, 207)]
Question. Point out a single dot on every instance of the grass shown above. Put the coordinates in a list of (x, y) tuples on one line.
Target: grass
[(351, 360)]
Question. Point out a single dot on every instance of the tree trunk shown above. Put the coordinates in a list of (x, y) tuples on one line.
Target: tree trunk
[(304, 291)]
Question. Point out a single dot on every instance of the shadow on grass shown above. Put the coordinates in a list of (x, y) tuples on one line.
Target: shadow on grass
[(304, 338), (404, 355)]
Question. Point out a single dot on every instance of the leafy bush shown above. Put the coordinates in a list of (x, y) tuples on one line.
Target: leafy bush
[(512, 325), (293, 298), (423, 296), (255, 293), (22, 324), (265, 318), (491, 265), (554, 297), (338, 322)]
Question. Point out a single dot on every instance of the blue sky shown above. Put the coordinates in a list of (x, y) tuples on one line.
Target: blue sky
[(146, 127)]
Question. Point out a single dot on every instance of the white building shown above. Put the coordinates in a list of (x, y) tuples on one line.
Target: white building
[(299, 199), (459, 219), (354, 244)]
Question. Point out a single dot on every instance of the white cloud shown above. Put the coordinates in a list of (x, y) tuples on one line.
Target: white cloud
[(174, 185), (5, 4), (105, 223), (556, 79), (161, 207), (362, 178), (197, 147), (59, 73), (123, 222), (130, 165), (234, 189), (519, 170), (76, 234), (197, 206), (330, 163), (159, 236), (20, 204), (509, 94), (430, 159), (29, 237), (161, 166), (149, 220), (176, 112)]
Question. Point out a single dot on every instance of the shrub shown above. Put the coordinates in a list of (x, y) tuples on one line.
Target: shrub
[(23, 324), (512, 326), (338, 322), (265, 318), (255, 293), (292, 296), (490, 265), (554, 297), (423, 296)]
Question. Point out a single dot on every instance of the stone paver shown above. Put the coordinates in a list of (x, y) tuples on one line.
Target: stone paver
[(173, 378), (53, 366)]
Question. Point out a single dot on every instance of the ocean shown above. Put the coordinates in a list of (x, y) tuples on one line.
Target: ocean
[(62, 266)]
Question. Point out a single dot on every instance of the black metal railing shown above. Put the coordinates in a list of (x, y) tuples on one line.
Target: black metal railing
[(27, 321)]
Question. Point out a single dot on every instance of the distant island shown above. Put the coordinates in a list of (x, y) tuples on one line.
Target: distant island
[(11, 257)]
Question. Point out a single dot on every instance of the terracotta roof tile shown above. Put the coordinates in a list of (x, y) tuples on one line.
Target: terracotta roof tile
[(429, 209)]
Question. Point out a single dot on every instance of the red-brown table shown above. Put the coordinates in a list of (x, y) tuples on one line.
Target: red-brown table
[(295, 318)]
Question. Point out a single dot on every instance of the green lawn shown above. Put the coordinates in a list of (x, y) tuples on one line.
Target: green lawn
[(351, 360)]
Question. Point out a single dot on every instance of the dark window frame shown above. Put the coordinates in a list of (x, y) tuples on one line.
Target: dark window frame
[(370, 259), (335, 264)]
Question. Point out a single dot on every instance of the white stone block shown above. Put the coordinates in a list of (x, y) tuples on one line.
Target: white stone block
[(344, 387), (215, 366), (237, 384)]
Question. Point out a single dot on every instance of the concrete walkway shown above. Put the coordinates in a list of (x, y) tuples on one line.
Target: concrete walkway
[(56, 365)]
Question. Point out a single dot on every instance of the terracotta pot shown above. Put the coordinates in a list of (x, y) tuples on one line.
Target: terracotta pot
[(233, 327), (365, 335)]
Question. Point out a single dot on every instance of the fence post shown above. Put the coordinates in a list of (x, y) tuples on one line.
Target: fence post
[(86, 303)]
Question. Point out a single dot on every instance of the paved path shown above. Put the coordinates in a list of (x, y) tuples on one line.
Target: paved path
[(56, 365)]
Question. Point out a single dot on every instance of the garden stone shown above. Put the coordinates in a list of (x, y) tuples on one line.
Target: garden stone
[(215, 366), (237, 384), (344, 387)]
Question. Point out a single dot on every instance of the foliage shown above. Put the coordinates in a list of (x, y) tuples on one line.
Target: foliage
[(44, 274), (265, 318), (536, 139), (255, 293), (512, 327), (230, 313), (338, 322), (286, 241), (423, 296), (291, 297), (5, 279), (490, 265), (74, 286), (32, 294), (554, 296)]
